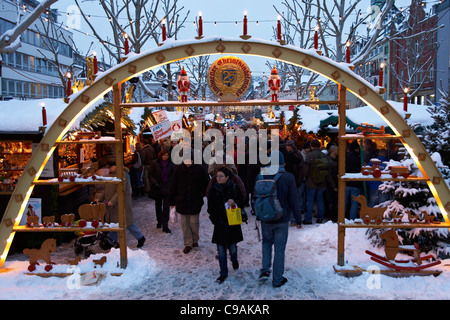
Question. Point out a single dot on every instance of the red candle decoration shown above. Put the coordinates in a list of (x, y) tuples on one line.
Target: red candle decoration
[(316, 38), (127, 46), (44, 115), (200, 25), (164, 34), (381, 78), (245, 23), (95, 63), (279, 28), (405, 100), (69, 85), (347, 52)]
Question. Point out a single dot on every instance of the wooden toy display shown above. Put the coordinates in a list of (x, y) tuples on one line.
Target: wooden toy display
[(88, 135), (100, 262), (367, 129), (93, 213), (68, 220), (47, 247), (368, 214), (393, 247)]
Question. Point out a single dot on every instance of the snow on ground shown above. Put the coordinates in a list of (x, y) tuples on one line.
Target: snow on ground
[(160, 270)]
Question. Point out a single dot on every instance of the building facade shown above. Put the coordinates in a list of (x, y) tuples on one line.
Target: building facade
[(29, 73)]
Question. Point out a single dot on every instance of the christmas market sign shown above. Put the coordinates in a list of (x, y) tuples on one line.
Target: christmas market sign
[(229, 78), (161, 130)]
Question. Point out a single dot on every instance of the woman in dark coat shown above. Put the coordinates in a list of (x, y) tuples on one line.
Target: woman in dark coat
[(225, 236), (161, 170)]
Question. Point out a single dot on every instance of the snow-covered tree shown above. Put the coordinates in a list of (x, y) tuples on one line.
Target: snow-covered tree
[(437, 136)]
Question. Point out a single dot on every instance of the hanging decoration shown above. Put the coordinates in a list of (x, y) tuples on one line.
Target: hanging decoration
[(184, 85), (274, 82)]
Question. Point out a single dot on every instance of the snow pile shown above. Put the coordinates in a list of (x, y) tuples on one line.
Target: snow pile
[(160, 270)]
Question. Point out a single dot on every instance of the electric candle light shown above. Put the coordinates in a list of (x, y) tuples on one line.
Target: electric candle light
[(316, 38), (347, 52), (245, 23), (380, 80), (279, 28), (44, 115), (200, 24), (164, 35), (95, 63), (405, 99), (69, 84), (126, 45)]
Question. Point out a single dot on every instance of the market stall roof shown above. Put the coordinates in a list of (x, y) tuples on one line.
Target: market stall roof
[(26, 115), (313, 119), (356, 116)]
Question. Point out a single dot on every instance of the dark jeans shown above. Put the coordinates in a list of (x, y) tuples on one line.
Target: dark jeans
[(162, 208), (222, 252), (275, 235)]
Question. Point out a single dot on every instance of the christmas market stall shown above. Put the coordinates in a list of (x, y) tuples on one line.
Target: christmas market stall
[(20, 135)]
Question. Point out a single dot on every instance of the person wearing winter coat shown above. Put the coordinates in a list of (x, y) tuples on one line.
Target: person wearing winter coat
[(186, 193), (293, 160), (224, 191), (137, 169), (275, 233), (112, 214), (160, 173), (149, 156), (314, 190), (353, 188)]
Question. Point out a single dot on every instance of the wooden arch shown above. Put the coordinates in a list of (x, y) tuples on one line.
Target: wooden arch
[(179, 50)]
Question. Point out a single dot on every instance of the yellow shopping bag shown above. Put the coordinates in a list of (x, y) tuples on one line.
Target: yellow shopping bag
[(234, 216)]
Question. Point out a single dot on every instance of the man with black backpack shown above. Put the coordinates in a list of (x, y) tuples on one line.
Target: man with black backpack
[(278, 192), (316, 173)]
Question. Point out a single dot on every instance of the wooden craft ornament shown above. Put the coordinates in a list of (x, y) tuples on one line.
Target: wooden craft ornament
[(93, 213), (392, 247), (47, 247), (99, 262), (68, 220), (32, 221), (48, 221), (75, 261), (368, 214)]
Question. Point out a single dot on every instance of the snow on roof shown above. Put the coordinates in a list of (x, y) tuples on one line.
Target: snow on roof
[(26, 115)]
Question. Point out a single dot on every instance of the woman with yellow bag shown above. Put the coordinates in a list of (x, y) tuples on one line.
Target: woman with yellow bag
[(227, 222)]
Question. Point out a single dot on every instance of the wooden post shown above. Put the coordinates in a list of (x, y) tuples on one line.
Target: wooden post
[(120, 175), (341, 172)]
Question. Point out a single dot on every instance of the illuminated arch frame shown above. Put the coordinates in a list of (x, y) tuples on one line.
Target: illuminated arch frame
[(179, 50)]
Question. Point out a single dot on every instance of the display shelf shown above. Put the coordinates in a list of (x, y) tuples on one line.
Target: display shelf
[(370, 136), (396, 225), (104, 180), (65, 229), (384, 177), (103, 140)]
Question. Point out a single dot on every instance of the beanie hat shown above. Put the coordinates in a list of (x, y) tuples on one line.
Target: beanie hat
[(315, 143)]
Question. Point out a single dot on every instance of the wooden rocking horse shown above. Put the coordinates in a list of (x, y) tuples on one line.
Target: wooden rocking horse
[(392, 247)]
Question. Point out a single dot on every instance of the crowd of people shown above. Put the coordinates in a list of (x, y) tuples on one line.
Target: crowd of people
[(308, 183)]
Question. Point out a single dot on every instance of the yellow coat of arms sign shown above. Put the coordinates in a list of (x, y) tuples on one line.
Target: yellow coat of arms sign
[(229, 78)]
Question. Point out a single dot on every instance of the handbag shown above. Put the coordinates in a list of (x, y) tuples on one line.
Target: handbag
[(234, 215)]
